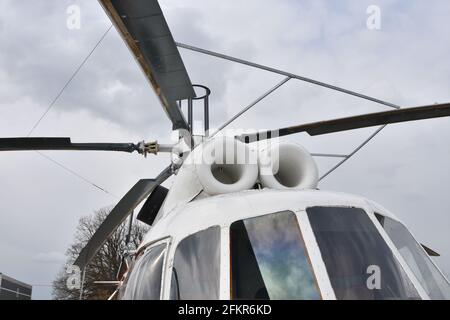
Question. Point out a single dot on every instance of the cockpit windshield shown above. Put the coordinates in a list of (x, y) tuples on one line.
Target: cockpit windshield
[(269, 259), (359, 263), (425, 271)]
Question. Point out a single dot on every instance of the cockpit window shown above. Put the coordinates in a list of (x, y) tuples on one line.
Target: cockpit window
[(196, 267), (269, 259), (425, 271), (146, 276), (359, 263)]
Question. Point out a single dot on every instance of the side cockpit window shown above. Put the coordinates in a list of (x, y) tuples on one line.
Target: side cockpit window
[(420, 264), (146, 277), (269, 259), (196, 267), (359, 263)]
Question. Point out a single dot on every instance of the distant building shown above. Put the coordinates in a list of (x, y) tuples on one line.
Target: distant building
[(12, 289)]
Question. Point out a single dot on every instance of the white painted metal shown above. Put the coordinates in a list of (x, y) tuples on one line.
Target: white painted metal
[(287, 166), (398, 256), (320, 271), (224, 165), (164, 281), (383, 211), (222, 210), (225, 269), (185, 188), (206, 170)]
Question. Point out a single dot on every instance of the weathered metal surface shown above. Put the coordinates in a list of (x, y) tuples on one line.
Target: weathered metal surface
[(142, 25), (356, 122)]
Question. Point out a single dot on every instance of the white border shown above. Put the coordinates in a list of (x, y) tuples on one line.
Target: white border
[(319, 268)]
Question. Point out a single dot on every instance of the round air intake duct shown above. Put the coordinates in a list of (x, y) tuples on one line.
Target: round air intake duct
[(287, 166), (226, 165)]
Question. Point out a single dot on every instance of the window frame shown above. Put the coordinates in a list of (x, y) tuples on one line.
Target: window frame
[(381, 213), (142, 251), (170, 258), (416, 283), (312, 249), (371, 214), (318, 265)]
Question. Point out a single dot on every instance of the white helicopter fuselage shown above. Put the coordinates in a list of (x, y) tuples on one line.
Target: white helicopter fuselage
[(222, 211), (225, 209), (262, 230)]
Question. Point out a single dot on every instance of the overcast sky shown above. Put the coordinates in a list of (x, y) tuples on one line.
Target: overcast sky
[(405, 168)]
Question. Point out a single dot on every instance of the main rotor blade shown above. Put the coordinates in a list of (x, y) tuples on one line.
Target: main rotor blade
[(23, 144), (142, 189), (142, 25), (356, 122)]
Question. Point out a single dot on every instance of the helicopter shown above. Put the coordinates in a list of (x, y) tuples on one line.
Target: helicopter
[(244, 217)]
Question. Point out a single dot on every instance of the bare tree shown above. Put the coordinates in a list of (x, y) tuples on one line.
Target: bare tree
[(105, 264)]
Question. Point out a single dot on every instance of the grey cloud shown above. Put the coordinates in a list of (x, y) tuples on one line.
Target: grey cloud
[(50, 257)]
